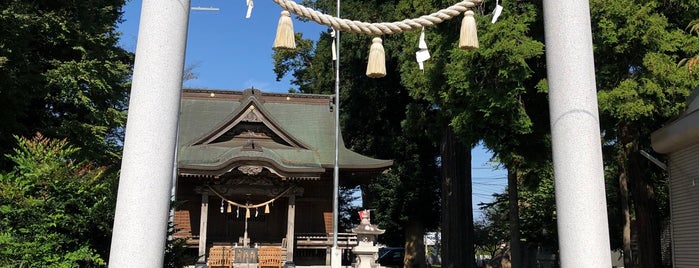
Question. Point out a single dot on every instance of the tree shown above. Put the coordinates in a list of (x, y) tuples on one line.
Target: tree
[(57, 211), (693, 62), (374, 115), (488, 236), (62, 73), (640, 88), (457, 215), (349, 217), (496, 93), (447, 91), (189, 73), (537, 211)]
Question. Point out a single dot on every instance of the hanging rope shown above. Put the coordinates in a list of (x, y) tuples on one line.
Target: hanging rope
[(249, 206), (381, 27), (468, 36)]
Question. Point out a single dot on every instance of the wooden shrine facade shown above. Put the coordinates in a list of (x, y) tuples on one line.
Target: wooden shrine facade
[(255, 169)]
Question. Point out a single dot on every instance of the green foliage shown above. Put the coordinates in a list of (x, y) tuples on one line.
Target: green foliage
[(492, 230), (297, 62), (692, 62), (349, 218), (537, 212), (57, 211), (640, 88), (638, 80), (498, 94), (375, 114), (538, 208), (494, 95), (62, 73)]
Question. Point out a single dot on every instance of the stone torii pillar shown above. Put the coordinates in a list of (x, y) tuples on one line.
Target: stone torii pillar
[(143, 200), (581, 206)]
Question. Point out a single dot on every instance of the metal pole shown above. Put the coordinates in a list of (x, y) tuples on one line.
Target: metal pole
[(335, 255), (140, 221), (581, 208)]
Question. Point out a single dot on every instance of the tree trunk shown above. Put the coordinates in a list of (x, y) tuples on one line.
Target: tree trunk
[(414, 245), (512, 191), (626, 230), (647, 226), (457, 214), (622, 163), (647, 218)]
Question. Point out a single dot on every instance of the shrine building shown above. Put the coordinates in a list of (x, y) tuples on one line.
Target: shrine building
[(256, 170)]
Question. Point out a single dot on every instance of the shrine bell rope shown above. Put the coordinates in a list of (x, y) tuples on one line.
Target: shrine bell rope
[(247, 207), (381, 27)]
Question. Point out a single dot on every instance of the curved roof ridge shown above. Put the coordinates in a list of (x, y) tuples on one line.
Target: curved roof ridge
[(213, 120)]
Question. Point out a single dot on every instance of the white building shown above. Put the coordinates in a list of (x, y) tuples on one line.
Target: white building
[(680, 141)]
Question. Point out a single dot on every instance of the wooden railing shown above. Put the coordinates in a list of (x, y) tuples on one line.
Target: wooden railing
[(270, 256), (323, 241), (221, 257), (228, 256)]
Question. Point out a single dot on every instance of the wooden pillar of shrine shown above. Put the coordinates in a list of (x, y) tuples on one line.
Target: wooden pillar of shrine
[(203, 220), (290, 235)]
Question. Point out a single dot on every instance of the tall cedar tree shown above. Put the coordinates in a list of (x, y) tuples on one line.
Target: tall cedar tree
[(637, 44), (637, 47), (496, 93), (374, 114), (62, 74)]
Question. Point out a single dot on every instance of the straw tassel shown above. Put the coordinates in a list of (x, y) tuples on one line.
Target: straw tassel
[(267, 209), (469, 35), (376, 68), (247, 213), (230, 208), (285, 32)]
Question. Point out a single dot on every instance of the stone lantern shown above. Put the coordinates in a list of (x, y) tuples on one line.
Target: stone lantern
[(366, 249)]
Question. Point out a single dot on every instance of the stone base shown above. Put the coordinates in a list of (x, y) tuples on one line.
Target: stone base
[(366, 261)]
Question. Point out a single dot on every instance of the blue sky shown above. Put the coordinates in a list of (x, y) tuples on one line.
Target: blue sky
[(232, 52)]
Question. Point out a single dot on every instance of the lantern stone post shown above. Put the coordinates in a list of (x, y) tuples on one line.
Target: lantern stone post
[(366, 249)]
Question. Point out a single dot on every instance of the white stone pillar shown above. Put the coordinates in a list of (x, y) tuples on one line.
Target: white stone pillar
[(203, 224), (143, 201), (581, 208)]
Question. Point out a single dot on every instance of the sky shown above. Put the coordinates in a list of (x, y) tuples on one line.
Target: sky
[(228, 50), (235, 53)]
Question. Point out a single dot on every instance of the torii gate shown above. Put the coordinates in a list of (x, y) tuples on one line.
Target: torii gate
[(140, 223)]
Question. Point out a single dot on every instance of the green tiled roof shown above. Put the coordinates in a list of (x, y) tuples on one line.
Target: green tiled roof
[(303, 123)]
